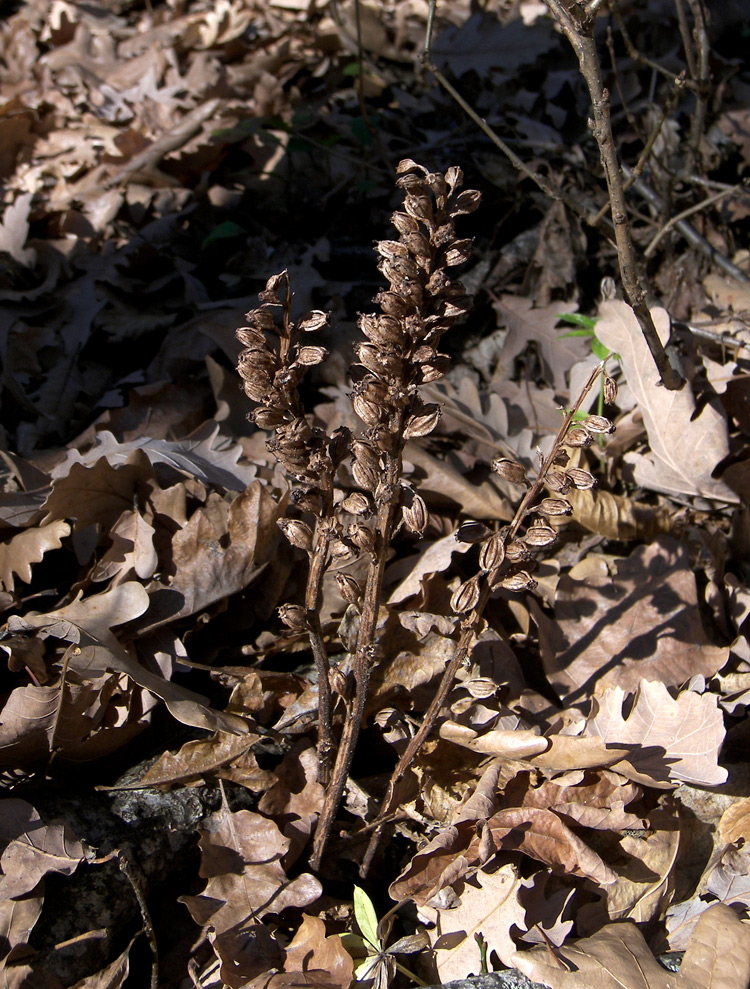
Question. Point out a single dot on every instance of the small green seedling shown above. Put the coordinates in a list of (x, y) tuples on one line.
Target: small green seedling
[(378, 963), (587, 328)]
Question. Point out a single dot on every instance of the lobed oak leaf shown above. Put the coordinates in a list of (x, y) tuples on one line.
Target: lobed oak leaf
[(643, 623), (489, 908), (672, 738), (88, 623), (542, 835), (34, 849), (717, 957), (26, 548), (241, 857)]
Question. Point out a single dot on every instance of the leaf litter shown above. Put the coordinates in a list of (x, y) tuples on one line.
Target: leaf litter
[(158, 163)]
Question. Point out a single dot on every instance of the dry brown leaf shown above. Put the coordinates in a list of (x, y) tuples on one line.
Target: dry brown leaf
[(489, 907), (132, 550), (513, 744), (644, 623), (96, 495), (591, 800), (27, 547), (541, 834), (672, 738), (717, 957), (443, 484), (241, 858), (88, 623), (526, 323), (323, 961), (735, 822), (34, 849), (685, 448), (246, 951)]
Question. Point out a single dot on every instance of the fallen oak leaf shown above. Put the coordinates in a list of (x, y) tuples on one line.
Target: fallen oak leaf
[(672, 739), (685, 448), (26, 548), (88, 622), (717, 957)]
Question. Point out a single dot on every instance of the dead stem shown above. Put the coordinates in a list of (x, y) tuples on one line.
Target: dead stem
[(471, 623)]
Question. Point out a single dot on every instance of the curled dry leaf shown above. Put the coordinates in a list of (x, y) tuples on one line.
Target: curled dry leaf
[(88, 623), (34, 849)]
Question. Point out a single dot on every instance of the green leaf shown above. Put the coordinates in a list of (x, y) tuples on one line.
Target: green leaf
[(366, 917), (578, 333), (577, 319), (224, 231), (352, 69), (599, 350)]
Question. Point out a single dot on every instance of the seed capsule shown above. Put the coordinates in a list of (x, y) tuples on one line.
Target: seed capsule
[(599, 424), (610, 390), (580, 478), (578, 437), (348, 587), (423, 422), (492, 552), (557, 481), (520, 581), (298, 533), (539, 534), (472, 532), (294, 617), (511, 470), (466, 596), (357, 504), (415, 514), (517, 551), (554, 506)]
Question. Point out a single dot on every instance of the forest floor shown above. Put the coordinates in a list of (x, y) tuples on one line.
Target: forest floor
[(582, 804)]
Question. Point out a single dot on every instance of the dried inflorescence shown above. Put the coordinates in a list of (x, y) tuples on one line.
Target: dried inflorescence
[(272, 364), (401, 352)]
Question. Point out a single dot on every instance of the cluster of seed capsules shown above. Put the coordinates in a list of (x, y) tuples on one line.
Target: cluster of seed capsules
[(505, 557)]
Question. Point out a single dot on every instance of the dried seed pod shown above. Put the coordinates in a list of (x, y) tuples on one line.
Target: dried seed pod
[(256, 385), (405, 225), (492, 552), (511, 470), (422, 422), (553, 507), (365, 475), (517, 551), (578, 437), (472, 532), (313, 321), (599, 424), (307, 500), (368, 411), (434, 369), (466, 596), (557, 481), (298, 533), (610, 390), (393, 304), (270, 295), (519, 581), (267, 418), (415, 514), (459, 252), (581, 479), (454, 178), (262, 319), (382, 330), (361, 536), (339, 445), (310, 356), (357, 504), (348, 587), (465, 202), (252, 338), (539, 534), (294, 617), (420, 207)]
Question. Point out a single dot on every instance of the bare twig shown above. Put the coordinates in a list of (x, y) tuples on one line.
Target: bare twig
[(580, 33), (679, 217), (690, 234)]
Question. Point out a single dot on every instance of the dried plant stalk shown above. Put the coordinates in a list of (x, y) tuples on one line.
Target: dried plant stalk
[(398, 355), (505, 560)]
